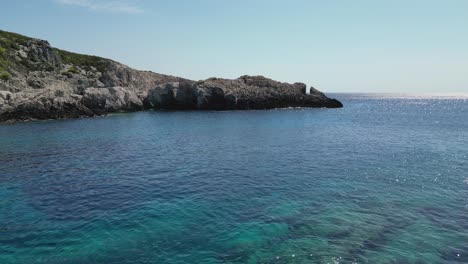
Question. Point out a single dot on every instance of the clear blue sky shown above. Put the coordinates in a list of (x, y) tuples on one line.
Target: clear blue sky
[(335, 45)]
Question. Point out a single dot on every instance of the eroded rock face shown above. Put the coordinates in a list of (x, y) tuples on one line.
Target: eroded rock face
[(211, 94), (246, 92), (174, 95), (111, 99), (5, 96), (45, 104), (40, 51)]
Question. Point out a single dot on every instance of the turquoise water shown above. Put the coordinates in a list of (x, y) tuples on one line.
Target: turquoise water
[(383, 180)]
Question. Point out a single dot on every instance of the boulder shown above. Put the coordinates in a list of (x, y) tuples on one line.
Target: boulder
[(112, 99), (40, 51), (5, 95), (174, 95)]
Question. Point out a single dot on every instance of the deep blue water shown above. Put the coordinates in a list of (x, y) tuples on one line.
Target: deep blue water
[(383, 180)]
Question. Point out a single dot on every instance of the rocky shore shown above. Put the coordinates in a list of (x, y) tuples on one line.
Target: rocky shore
[(38, 81)]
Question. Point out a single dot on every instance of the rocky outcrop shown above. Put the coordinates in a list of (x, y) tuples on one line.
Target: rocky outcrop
[(41, 82), (111, 99), (46, 104), (246, 92)]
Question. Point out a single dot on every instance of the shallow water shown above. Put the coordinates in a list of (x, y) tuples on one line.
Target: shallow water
[(383, 180)]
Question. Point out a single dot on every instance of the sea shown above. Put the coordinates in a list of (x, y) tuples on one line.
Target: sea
[(382, 180)]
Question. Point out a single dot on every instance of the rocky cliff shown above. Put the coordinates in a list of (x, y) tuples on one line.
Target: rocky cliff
[(38, 81)]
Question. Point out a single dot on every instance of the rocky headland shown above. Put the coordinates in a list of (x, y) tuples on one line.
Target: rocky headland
[(38, 81)]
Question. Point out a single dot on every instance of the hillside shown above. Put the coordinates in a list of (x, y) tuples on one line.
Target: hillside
[(38, 81)]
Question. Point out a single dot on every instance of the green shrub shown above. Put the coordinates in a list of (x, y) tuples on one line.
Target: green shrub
[(74, 70), (48, 67), (68, 74), (3, 57), (5, 76), (3, 61), (28, 65)]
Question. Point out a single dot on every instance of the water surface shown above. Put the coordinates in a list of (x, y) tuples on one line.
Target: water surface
[(383, 180)]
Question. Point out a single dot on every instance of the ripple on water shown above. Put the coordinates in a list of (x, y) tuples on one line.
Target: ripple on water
[(379, 181)]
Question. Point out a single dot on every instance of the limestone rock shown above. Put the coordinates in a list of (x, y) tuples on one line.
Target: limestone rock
[(44, 82), (111, 99), (45, 104), (246, 92)]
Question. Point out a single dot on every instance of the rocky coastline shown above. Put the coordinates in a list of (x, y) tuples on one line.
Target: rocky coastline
[(38, 81)]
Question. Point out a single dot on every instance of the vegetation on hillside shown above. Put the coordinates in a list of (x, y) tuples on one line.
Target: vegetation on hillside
[(5, 76), (10, 40), (3, 59), (83, 61), (10, 43)]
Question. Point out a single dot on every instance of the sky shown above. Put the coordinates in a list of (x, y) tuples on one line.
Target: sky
[(410, 46)]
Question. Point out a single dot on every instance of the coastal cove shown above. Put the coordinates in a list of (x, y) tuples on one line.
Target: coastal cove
[(233, 132), (382, 180)]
